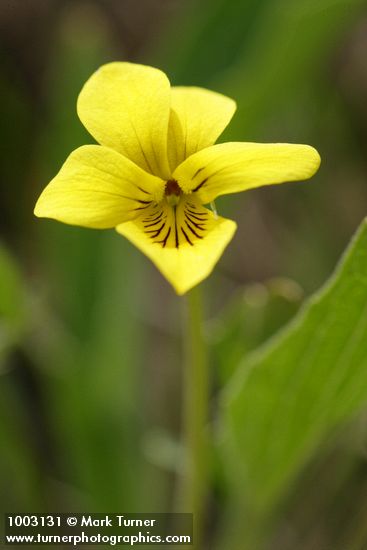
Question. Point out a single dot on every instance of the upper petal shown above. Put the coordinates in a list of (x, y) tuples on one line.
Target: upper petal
[(198, 117), (232, 167), (126, 106), (184, 243), (97, 187)]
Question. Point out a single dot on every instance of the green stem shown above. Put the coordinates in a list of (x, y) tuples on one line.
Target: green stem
[(196, 397)]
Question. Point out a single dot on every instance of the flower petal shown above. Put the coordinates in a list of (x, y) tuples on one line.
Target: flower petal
[(233, 167), (97, 187), (126, 106), (198, 117), (184, 242)]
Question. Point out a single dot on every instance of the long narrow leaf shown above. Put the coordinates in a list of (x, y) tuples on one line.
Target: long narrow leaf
[(288, 397)]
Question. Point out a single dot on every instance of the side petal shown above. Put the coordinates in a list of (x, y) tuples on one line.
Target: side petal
[(198, 117), (126, 106), (97, 187), (184, 243), (233, 167)]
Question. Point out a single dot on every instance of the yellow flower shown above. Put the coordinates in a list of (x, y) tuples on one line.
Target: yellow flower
[(156, 167)]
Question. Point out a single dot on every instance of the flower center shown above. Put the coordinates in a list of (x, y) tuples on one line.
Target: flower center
[(172, 192)]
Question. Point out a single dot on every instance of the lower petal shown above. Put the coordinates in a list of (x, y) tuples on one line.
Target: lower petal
[(184, 242)]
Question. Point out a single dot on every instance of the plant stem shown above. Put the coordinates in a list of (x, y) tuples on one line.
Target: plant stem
[(196, 396)]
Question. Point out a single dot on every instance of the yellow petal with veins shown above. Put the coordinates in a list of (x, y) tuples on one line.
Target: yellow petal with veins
[(97, 187), (126, 106), (198, 117), (184, 242), (233, 167)]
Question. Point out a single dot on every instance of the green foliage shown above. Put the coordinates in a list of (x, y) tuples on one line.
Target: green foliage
[(281, 66), (251, 317), (273, 55), (12, 301), (17, 457), (290, 395), (203, 45)]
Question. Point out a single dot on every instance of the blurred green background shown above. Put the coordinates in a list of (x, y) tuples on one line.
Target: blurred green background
[(91, 359)]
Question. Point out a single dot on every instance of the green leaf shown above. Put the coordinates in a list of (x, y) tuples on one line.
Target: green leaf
[(289, 396)]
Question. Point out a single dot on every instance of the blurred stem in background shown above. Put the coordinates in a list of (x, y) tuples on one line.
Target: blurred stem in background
[(195, 418)]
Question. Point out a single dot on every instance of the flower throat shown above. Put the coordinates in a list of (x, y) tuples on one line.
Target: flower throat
[(172, 192)]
